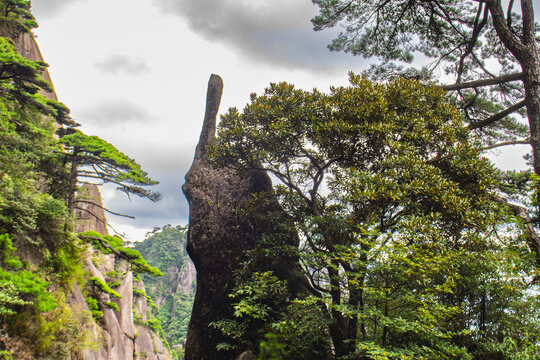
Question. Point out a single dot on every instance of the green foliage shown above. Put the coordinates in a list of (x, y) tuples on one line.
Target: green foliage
[(61, 332), (301, 333), (463, 40), (6, 355), (93, 305), (257, 300), (114, 245), (21, 287), (165, 248), (292, 328), (257, 297), (9, 299), (394, 204), (112, 305), (100, 285), (139, 293), (15, 17), (29, 208)]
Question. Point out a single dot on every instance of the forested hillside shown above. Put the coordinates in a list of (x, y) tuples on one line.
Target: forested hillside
[(172, 293)]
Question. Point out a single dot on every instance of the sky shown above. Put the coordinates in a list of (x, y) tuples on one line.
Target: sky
[(134, 72)]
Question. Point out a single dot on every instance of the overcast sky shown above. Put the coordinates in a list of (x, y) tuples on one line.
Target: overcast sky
[(134, 72)]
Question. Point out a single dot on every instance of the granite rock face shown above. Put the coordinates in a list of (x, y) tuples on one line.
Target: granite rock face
[(26, 45), (221, 231), (116, 335)]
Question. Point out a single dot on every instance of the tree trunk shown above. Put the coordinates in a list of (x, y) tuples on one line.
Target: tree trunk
[(72, 181), (525, 51), (339, 322)]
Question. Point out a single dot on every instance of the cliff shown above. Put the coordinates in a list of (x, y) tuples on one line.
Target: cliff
[(124, 332), (108, 302), (26, 45)]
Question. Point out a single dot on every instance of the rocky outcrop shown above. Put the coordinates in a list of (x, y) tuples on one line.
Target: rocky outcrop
[(185, 279), (117, 335), (147, 344), (26, 45), (89, 212), (223, 225)]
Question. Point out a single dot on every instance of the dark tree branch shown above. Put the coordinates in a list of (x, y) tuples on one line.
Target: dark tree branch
[(103, 221), (478, 26), (103, 208), (509, 14), (506, 143), (490, 120), (484, 82), (516, 47)]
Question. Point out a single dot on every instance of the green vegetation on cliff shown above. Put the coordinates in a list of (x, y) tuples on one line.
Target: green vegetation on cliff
[(173, 293), (41, 259)]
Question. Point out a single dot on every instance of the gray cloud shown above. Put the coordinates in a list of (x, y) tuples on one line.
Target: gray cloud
[(277, 32), (167, 164), (171, 209), (50, 8), (117, 64), (114, 112)]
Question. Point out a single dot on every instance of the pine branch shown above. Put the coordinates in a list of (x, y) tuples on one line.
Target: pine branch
[(483, 82), (490, 120), (506, 143)]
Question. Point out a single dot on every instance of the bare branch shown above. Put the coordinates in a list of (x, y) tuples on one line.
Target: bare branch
[(122, 235), (103, 208)]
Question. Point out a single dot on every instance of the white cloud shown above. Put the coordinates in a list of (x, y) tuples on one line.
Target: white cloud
[(114, 112)]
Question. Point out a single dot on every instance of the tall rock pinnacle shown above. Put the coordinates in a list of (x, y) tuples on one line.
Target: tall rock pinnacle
[(222, 229), (217, 238)]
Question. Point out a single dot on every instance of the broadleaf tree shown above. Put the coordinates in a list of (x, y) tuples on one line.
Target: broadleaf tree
[(486, 51), (392, 200)]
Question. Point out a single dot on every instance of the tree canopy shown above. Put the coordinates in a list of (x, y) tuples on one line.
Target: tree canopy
[(392, 199), (92, 158), (490, 54)]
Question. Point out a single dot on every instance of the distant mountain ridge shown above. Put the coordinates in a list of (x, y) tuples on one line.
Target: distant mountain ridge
[(125, 332), (173, 293)]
